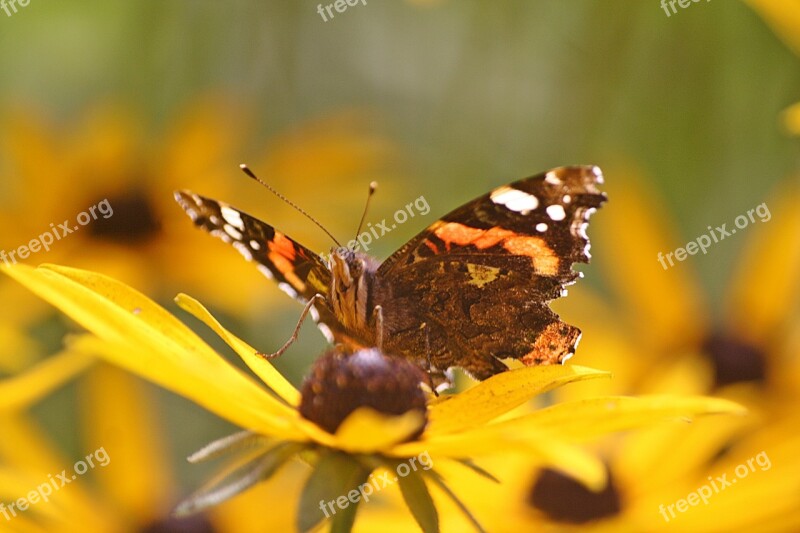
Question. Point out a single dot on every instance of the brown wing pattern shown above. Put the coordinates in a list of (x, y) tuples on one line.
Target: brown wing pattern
[(474, 287), (297, 270)]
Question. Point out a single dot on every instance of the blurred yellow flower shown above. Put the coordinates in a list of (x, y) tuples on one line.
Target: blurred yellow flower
[(98, 192), (136, 493), (783, 16), (662, 324), (109, 172), (661, 338), (131, 331)]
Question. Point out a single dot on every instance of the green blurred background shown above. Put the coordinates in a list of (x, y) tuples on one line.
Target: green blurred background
[(440, 99)]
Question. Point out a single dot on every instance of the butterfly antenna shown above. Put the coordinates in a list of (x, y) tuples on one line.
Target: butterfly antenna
[(372, 186), (249, 172)]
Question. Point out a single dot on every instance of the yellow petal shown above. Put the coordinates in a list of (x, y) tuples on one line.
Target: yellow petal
[(232, 396), (791, 119), (761, 494), (366, 430), (29, 387), (658, 456), (500, 394), (631, 232), (262, 368), (25, 448), (120, 417), (540, 446), (765, 288), (783, 16), (586, 419), (135, 333)]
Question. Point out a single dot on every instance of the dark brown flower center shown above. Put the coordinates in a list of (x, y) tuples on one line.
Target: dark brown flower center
[(188, 524), (134, 219), (734, 360), (340, 383), (564, 499)]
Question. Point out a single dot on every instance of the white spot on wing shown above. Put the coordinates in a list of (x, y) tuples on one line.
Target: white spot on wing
[(233, 232), (514, 199), (541, 227), (556, 212), (244, 250), (288, 289), (232, 217), (326, 331), (567, 198), (215, 220), (222, 235), (255, 244), (267, 272), (551, 177)]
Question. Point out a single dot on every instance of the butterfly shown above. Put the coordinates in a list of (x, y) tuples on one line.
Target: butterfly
[(469, 291)]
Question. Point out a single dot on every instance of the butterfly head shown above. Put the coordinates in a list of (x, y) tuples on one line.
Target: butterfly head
[(346, 267), (349, 287)]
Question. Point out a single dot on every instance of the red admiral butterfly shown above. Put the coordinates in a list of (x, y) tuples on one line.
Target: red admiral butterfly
[(471, 289)]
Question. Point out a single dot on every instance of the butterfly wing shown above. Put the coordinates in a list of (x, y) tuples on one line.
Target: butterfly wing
[(297, 270), (474, 287)]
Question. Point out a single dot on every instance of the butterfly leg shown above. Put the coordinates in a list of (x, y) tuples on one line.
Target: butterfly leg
[(379, 326), (432, 383), (296, 331)]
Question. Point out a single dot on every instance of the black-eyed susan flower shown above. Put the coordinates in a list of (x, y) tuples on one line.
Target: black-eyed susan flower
[(662, 321), (96, 192), (352, 441), (660, 338)]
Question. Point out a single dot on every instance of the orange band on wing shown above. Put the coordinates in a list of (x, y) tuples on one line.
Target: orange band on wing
[(545, 261), (282, 245), (455, 233), (282, 253)]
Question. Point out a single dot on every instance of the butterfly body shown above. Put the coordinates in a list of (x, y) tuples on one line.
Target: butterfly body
[(468, 291)]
